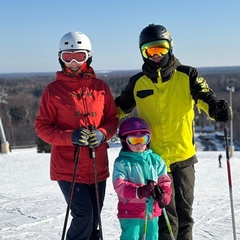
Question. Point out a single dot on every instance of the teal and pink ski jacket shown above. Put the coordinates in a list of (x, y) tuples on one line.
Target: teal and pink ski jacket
[(133, 169)]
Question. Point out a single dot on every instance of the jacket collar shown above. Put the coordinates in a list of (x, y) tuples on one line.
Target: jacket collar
[(164, 73), (86, 73)]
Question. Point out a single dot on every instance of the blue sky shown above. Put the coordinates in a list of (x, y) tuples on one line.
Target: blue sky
[(205, 33)]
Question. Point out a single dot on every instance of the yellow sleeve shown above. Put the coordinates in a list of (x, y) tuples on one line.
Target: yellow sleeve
[(121, 113)]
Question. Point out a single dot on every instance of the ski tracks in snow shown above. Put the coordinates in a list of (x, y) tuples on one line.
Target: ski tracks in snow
[(23, 219), (211, 209)]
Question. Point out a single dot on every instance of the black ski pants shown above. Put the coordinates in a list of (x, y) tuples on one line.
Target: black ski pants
[(180, 208), (84, 211)]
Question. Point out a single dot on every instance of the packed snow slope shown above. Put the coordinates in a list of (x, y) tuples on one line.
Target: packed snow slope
[(32, 206)]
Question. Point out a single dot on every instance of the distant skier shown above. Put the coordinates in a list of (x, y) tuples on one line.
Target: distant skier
[(219, 160)]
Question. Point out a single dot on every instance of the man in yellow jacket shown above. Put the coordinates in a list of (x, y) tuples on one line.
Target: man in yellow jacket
[(164, 94)]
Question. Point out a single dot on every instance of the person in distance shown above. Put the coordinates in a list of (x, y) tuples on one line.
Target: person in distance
[(77, 111), (164, 93)]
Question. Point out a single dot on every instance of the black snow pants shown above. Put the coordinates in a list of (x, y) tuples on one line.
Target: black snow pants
[(84, 224), (179, 210)]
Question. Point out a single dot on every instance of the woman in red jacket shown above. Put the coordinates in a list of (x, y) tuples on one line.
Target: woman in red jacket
[(69, 105)]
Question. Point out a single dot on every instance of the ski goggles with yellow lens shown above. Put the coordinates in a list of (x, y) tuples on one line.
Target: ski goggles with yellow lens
[(140, 140), (160, 48), (80, 56)]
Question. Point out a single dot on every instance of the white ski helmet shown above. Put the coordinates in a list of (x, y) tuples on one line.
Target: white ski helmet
[(75, 41)]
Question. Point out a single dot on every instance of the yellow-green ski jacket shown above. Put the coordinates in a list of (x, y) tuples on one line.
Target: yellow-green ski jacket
[(165, 99)]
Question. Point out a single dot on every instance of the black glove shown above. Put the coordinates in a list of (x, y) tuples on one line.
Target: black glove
[(96, 137), (220, 111), (158, 196), (80, 136)]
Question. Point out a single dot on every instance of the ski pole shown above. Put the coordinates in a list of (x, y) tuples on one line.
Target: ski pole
[(166, 217), (76, 159), (229, 181), (150, 183), (168, 223), (145, 221), (93, 156)]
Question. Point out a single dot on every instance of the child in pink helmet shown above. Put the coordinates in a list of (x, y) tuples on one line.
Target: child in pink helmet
[(141, 182)]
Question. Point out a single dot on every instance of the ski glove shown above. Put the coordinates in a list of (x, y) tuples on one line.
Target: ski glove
[(158, 196), (144, 191), (96, 137), (220, 111), (80, 136)]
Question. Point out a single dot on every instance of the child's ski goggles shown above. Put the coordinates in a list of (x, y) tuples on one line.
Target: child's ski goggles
[(141, 140), (80, 56), (160, 48)]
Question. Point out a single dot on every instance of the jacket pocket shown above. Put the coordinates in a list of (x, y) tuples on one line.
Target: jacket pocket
[(144, 93)]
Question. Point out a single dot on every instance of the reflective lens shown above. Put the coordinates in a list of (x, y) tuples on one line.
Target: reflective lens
[(78, 56), (160, 47), (138, 139)]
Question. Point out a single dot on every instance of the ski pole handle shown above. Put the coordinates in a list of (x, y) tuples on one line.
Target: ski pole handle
[(91, 128), (92, 150)]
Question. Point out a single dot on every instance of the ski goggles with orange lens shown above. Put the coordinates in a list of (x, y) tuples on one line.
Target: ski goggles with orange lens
[(78, 56), (140, 140), (160, 48)]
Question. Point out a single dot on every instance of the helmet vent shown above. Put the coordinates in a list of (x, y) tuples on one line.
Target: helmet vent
[(75, 41)]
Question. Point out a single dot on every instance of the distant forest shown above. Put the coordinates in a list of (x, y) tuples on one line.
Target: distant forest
[(20, 95)]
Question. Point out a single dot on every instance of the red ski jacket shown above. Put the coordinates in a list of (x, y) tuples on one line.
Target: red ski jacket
[(67, 104)]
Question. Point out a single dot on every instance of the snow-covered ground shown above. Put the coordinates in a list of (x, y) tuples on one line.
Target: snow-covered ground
[(32, 207)]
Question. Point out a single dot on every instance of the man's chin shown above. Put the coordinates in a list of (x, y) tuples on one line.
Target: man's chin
[(156, 59)]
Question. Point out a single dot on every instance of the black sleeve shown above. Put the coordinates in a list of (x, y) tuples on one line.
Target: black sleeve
[(198, 86), (126, 99)]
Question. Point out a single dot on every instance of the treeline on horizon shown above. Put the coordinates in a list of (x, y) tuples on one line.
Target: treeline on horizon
[(20, 95)]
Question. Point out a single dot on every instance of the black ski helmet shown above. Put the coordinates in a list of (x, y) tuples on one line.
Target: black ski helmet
[(154, 32)]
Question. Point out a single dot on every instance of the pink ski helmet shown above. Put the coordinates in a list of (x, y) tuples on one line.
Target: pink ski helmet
[(133, 125)]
